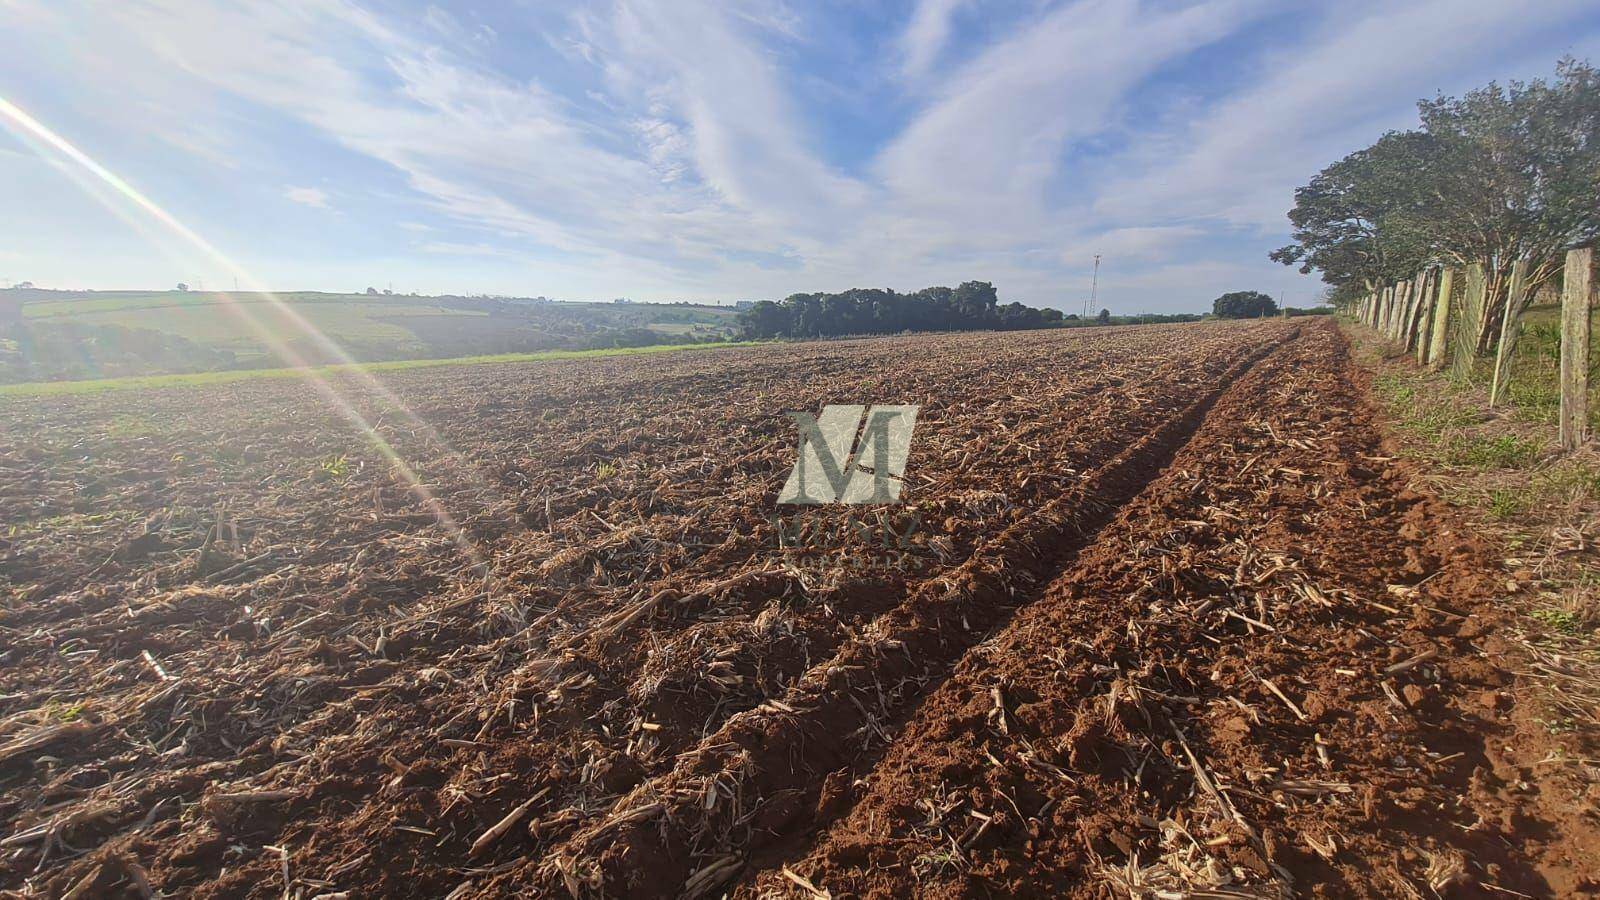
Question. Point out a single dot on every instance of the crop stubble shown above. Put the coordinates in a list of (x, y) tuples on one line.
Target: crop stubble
[(231, 627)]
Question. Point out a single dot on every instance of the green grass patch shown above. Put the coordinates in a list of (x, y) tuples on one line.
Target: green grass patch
[(147, 382), (1506, 451), (1505, 503), (1558, 620), (1566, 480), (1536, 399), (1435, 422), (334, 468), (1395, 391), (63, 712), (1429, 415)]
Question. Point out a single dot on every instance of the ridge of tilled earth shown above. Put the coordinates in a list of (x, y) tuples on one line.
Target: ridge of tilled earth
[(1240, 658), (355, 723), (1267, 678), (755, 778), (564, 766)]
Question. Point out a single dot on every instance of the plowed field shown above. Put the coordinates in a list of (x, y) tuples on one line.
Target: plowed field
[(1160, 616)]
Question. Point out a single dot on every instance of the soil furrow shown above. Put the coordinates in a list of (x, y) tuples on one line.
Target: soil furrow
[(327, 646), (742, 635), (1201, 706), (753, 779)]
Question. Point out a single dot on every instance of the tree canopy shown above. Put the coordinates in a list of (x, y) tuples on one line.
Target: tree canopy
[(1499, 174), (1243, 305), (975, 305), (1355, 221)]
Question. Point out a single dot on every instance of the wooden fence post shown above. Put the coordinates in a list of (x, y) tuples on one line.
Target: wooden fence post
[(1402, 299), (1402, 306), (1575, 348), (1408, 327), (1441, 320), (1425, 313), (1508, 332), (1471, 322), (1417, 319), (1480, 306)]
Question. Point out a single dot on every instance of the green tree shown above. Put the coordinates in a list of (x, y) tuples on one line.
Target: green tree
[(806, 313), (1500, 174), (764, 321), (1104, 318), (1355, 221), (1517, 176), (973, 305), (1243, 305)]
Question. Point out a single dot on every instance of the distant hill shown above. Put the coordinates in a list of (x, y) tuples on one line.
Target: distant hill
[(54, 335)]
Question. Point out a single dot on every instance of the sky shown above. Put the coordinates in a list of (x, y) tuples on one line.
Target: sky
[(714, 151)]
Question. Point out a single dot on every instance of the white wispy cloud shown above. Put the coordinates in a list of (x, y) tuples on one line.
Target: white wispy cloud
[(1139, 244), (308, 196), (694, 58), (927, 34), (676, 154), (996, 134), (1356, 75)]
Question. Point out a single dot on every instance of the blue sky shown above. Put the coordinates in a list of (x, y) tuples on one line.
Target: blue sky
[(676, 149)]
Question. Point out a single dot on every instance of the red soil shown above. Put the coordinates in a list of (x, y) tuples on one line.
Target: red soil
[(1173, 621)]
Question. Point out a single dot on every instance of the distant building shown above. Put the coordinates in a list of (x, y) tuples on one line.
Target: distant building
[(622, 300), (743, 304)]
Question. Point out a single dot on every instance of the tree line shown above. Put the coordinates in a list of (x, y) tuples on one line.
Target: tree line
[(973, 306), (1501, 174)]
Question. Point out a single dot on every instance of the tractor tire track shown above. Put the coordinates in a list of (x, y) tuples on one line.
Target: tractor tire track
[(748, 785)]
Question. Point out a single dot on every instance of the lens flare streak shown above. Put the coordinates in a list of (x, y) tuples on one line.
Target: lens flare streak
[(29, 127)]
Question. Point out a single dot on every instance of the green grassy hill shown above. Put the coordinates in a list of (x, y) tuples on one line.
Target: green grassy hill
[(66, 335)]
